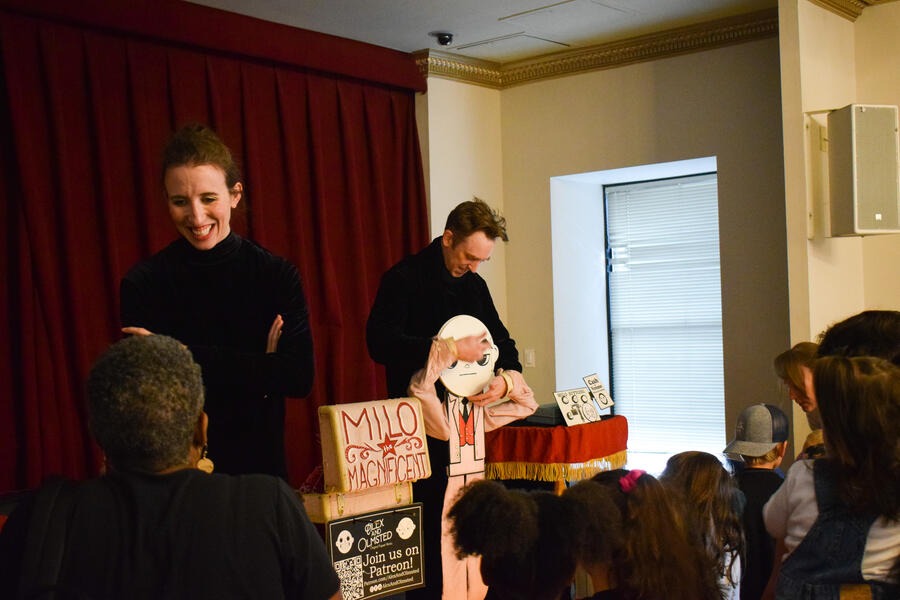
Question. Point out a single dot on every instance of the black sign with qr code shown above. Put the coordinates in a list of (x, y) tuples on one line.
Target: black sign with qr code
[(379, 553)]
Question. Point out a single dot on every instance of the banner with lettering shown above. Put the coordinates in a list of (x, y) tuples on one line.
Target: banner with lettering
[(374, 444), (378, 554)]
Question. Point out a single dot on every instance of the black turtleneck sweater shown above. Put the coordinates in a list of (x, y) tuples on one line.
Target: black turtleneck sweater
[(221, 303)]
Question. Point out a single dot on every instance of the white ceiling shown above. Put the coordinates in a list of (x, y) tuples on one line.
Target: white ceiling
[(496, 30)]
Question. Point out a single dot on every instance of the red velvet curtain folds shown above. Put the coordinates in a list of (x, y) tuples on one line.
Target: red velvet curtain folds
[(332, 174)]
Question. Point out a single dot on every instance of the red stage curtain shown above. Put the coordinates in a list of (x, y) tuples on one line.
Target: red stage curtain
[(331, 169)]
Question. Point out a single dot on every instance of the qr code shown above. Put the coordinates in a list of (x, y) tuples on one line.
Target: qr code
[(350, 573)]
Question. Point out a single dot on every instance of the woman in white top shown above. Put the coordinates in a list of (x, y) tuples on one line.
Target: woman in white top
[(838, 518)]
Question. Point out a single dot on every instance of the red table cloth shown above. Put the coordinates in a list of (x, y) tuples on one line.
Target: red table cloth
[(556, 453)]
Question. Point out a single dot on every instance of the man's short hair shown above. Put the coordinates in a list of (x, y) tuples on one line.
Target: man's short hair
[(752, 461), (869, 333), (145, 394), (475, 215)]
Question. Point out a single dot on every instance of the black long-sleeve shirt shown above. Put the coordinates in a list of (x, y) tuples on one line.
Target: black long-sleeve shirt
[(221, 303), (415, 298)]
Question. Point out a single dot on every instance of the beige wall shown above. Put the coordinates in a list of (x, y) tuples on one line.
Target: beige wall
[(828, 80), (459, 131), (723, 102), (828, 62), (877, 45), (840, 62)]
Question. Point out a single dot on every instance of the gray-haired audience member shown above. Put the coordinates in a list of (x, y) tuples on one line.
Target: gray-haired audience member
[(155, 526), (760, 438), (145, 405)]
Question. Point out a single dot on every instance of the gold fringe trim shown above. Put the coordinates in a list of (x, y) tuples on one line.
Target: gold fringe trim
[(555, 471)]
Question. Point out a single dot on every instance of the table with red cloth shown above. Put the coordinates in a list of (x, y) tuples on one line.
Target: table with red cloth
[(560, 453)]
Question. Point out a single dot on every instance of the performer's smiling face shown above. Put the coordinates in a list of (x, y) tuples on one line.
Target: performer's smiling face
[(462, 256), (200, 203)]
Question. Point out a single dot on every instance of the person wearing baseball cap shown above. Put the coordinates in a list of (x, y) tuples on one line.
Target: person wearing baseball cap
[(760, 439)]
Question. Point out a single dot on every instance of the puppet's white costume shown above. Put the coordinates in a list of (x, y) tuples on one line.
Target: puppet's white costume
[(463, 424)]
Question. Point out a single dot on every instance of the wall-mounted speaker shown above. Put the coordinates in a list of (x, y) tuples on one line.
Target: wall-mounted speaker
[(864, 170)]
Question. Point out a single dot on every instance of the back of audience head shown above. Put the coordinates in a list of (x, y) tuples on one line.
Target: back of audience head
[(145, 403), (620, 526), (859, 400), (711, 504), (760, 437), (869, 333), (653, 556), (529, 543)]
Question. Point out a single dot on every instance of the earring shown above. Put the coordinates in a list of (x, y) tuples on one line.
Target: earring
[(205, 464)]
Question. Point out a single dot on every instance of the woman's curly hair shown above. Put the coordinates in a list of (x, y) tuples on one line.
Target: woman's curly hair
[(145, 394)]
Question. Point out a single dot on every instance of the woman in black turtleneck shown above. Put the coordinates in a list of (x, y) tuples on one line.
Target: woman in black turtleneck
[(239, 308)]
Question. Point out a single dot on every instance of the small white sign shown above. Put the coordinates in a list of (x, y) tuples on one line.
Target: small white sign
[(604, 400), (577, 406)]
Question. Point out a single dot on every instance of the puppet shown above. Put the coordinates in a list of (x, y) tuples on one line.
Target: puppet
[(462, 423)]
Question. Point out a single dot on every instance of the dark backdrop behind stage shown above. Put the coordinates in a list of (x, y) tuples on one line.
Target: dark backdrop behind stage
[(323, 128)]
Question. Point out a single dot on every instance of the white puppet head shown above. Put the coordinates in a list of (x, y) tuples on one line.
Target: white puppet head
[(462, 378), (405, 528), (344, 541)]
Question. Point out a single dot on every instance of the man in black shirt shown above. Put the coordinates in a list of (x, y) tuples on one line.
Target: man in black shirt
[(421, 292), (415, 298)]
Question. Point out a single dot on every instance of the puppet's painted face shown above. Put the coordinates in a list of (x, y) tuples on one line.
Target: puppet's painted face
[(405, 528), (344, 541), (468, 378)]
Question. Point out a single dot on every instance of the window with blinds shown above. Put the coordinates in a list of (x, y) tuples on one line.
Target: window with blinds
[(665, 316)]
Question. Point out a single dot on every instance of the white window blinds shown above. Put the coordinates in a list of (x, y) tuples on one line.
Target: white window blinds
[(665, 313)]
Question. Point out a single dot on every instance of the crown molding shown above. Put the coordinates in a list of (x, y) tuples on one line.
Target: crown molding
[(849, 9), (683, 40), (434, 63)]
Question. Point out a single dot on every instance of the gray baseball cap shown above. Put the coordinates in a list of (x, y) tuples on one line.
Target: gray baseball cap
[(760, 428)]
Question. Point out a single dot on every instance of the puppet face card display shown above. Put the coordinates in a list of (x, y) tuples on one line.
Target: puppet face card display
[(577, 406), (604, 400), (468, 378), (583, 405)]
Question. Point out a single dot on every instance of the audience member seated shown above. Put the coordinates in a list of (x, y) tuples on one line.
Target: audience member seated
[(794, 367), (837, 517), (713, 508), (620, 527), (154, 526), (760, 440), (643, 549), (869, 333), (529, 543)]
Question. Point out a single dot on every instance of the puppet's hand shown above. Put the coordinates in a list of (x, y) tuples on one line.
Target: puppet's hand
[(496, 390)]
